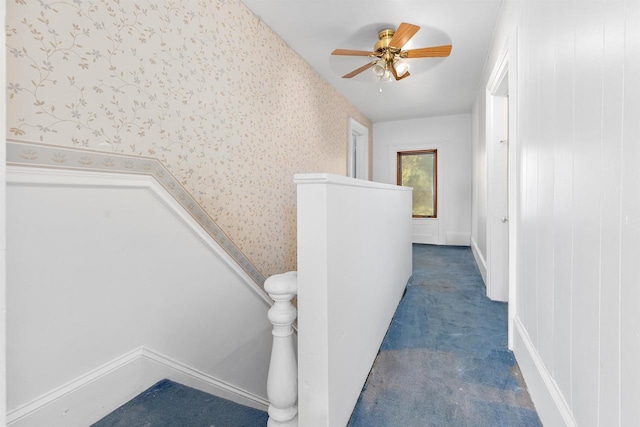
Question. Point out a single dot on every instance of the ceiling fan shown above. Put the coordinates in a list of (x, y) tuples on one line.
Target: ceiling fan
[(388, 56)]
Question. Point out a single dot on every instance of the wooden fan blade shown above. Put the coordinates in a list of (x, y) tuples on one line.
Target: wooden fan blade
[(428, 52), (358, 71), (351, 52), (395, 73), (403, 34)]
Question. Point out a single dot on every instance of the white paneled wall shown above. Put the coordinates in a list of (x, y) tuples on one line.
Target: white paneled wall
[(578, 204)]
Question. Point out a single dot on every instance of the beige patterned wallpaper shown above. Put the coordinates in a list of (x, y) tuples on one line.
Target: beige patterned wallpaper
[(199, 85)]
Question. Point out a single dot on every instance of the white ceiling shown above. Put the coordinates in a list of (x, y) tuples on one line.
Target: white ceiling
[(437, 86)]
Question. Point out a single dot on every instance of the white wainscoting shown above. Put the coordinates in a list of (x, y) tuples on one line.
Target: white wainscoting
[(113, 286), (354, 261), (425, 231)]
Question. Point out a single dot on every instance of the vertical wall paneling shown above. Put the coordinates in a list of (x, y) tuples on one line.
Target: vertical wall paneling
[(533, 153), (513, 182), (587, 180), (562, 137), (630, 216), (529, 156), (479, 198), (482, 184), (475, 191), (612, 101), (521, 306), (546, 169), (578, 200)]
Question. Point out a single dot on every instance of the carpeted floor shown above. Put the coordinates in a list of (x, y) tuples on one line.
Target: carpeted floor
[(168, 404), (444, 360)]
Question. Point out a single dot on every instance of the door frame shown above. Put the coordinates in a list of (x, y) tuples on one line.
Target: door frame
[(496, 141), (505, 73), (358, 142)]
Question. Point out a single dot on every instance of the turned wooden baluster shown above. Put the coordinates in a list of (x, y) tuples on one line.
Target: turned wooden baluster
[(282, 383)]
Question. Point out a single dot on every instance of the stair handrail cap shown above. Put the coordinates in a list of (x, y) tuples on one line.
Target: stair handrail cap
[(284, 283)]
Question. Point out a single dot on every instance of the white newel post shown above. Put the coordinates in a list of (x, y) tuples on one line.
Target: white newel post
[(282, 382)]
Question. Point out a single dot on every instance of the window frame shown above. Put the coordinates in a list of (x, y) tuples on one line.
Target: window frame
[(433, 151)]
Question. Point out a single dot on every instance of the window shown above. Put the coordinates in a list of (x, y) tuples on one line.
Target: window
[(419, 169)]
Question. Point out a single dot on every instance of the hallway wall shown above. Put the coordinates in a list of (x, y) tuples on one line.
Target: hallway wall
[(578, 205), (451, 136), (197, 85)]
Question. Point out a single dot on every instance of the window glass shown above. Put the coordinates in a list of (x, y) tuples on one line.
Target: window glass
[(419, 169)]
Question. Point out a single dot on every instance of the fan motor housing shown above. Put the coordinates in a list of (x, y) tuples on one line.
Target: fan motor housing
[(385, 37)]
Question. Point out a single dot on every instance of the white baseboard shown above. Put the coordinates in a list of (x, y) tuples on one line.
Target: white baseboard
[(545, 393), (482, 264), (183, 374), (95, 394)]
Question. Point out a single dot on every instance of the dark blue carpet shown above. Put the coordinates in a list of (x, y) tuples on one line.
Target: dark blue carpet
[(168, 404), (444, 360)]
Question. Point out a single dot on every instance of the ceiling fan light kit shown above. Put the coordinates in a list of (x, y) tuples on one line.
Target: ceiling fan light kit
[(387, 55), (379, 68), (401, 67)]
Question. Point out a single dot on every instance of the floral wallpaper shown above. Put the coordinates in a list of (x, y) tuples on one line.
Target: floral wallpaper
[(199, 86)]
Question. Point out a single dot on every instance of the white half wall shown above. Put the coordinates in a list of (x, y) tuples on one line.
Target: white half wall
[(451, 136), (100, 265), (354, 262)]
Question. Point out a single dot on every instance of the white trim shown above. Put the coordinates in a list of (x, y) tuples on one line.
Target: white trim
[(497, 284), (327, 178), (507, 64), (480, 261), (362, 140), (497, 78), (83, 178), (37, 155), (435, 144), (20, 414), (545, 393), (95, 394), (514, 217), (183, 374)]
